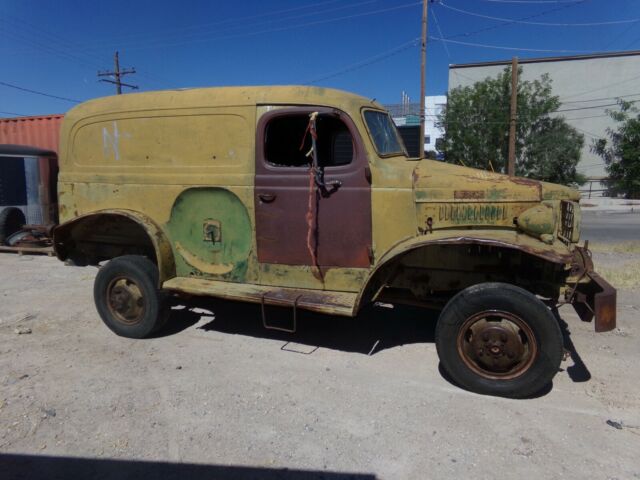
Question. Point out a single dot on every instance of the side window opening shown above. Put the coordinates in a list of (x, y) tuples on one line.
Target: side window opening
[(284, 137)]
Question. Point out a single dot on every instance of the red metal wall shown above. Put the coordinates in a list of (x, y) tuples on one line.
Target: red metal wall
[(41, 131)]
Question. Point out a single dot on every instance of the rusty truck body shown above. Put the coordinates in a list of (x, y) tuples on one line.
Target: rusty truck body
[(305, 197)]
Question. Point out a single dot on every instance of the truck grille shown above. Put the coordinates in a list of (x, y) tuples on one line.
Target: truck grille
[(567, 220)]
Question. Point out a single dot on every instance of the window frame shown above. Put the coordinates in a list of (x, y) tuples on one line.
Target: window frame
[(398, 136), (262, 164)]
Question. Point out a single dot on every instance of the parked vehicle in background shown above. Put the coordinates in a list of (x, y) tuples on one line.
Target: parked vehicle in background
[(28, 182), (305, 197)]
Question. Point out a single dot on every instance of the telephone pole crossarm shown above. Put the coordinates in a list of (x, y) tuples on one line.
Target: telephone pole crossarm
[(134, 87), (116, 75)]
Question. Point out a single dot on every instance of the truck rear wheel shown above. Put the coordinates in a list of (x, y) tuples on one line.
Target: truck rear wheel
[(11, 220), (498, 339), (127, 297)]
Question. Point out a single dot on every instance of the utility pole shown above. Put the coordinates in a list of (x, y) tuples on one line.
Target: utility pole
[(511, 166), (117, 74), (423, 68)]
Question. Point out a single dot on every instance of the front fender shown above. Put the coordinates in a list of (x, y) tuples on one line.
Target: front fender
[(557, 253), (160, 242)]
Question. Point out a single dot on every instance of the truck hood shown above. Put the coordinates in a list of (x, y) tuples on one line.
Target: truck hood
[(435, 181)]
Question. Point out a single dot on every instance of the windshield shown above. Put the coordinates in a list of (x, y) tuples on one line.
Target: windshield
[(383, 133)]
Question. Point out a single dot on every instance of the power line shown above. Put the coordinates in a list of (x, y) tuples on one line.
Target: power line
[(605, 87), (500, 47), (368, 61), (291, 26), (599, 99), (532, 1), (15, 114), (63, 45), (40, 93), (435, 17), (542, 24), (240, 21), (511, 22), (595, 106)]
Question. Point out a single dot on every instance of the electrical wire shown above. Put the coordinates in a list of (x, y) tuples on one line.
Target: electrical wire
[(500, 47), (369, 61), (60, 50), (511, 22), (15, 114), (600, 99), (435, 17), (531, 1), (637, 77), (40, 93), (238, 22), (542, 24), (255, 32)]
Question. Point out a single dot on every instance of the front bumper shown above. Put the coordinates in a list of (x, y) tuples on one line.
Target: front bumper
[(592, 296)]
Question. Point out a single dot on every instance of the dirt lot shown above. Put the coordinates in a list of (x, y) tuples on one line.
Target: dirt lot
[(219, 391)]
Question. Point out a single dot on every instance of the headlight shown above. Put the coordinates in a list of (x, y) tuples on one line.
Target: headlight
[(539, 221)]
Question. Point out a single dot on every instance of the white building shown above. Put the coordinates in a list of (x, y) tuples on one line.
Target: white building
[(433, 108), (407, 114)]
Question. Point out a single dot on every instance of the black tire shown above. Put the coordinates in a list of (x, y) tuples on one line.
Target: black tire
[(127, 297), (11, 220), (499, 339)]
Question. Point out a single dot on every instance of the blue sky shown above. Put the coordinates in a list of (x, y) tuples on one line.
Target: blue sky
[(365, 46)]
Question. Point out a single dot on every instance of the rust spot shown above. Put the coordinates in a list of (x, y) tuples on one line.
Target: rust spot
[(525, 181), (468, 194)]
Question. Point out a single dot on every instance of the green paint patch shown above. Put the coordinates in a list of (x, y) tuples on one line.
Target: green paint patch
[(494, 194), (421, 195), (192, 213)]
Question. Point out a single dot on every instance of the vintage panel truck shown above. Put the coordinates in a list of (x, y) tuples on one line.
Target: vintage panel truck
[(305, 197)]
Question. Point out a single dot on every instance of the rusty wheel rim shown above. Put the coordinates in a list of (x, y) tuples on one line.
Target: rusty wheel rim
[(497, 345), (125, 301)]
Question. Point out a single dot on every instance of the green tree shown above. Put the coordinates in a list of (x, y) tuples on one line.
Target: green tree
[(621, 152), (476, 124)]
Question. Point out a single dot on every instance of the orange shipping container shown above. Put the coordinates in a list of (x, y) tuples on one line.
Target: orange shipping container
[(38, 131)]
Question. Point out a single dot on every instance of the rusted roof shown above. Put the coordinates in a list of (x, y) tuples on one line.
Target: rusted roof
[(41, 131)]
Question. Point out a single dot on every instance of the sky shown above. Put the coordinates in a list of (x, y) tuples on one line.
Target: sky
[(370, 47)]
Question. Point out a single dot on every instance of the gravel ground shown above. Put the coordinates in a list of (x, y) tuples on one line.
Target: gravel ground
[(216, 396)]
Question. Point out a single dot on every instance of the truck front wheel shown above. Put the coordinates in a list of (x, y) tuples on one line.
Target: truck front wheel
[(498, 339), (127, 297)]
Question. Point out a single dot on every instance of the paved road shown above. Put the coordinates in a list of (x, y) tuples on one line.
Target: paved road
[(610, 227)]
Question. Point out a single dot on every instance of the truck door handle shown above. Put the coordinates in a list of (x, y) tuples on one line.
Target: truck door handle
[(266, 197)]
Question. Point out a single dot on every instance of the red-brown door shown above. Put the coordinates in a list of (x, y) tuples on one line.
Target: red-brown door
[(341, 220)]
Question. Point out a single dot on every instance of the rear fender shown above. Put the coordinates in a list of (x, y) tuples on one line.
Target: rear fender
[(161, 244)]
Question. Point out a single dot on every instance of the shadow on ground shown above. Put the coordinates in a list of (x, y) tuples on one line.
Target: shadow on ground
[(578, 372), (35, 467), (374, 329)]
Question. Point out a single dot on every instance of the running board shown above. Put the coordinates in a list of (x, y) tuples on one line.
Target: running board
[(322, 301)]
